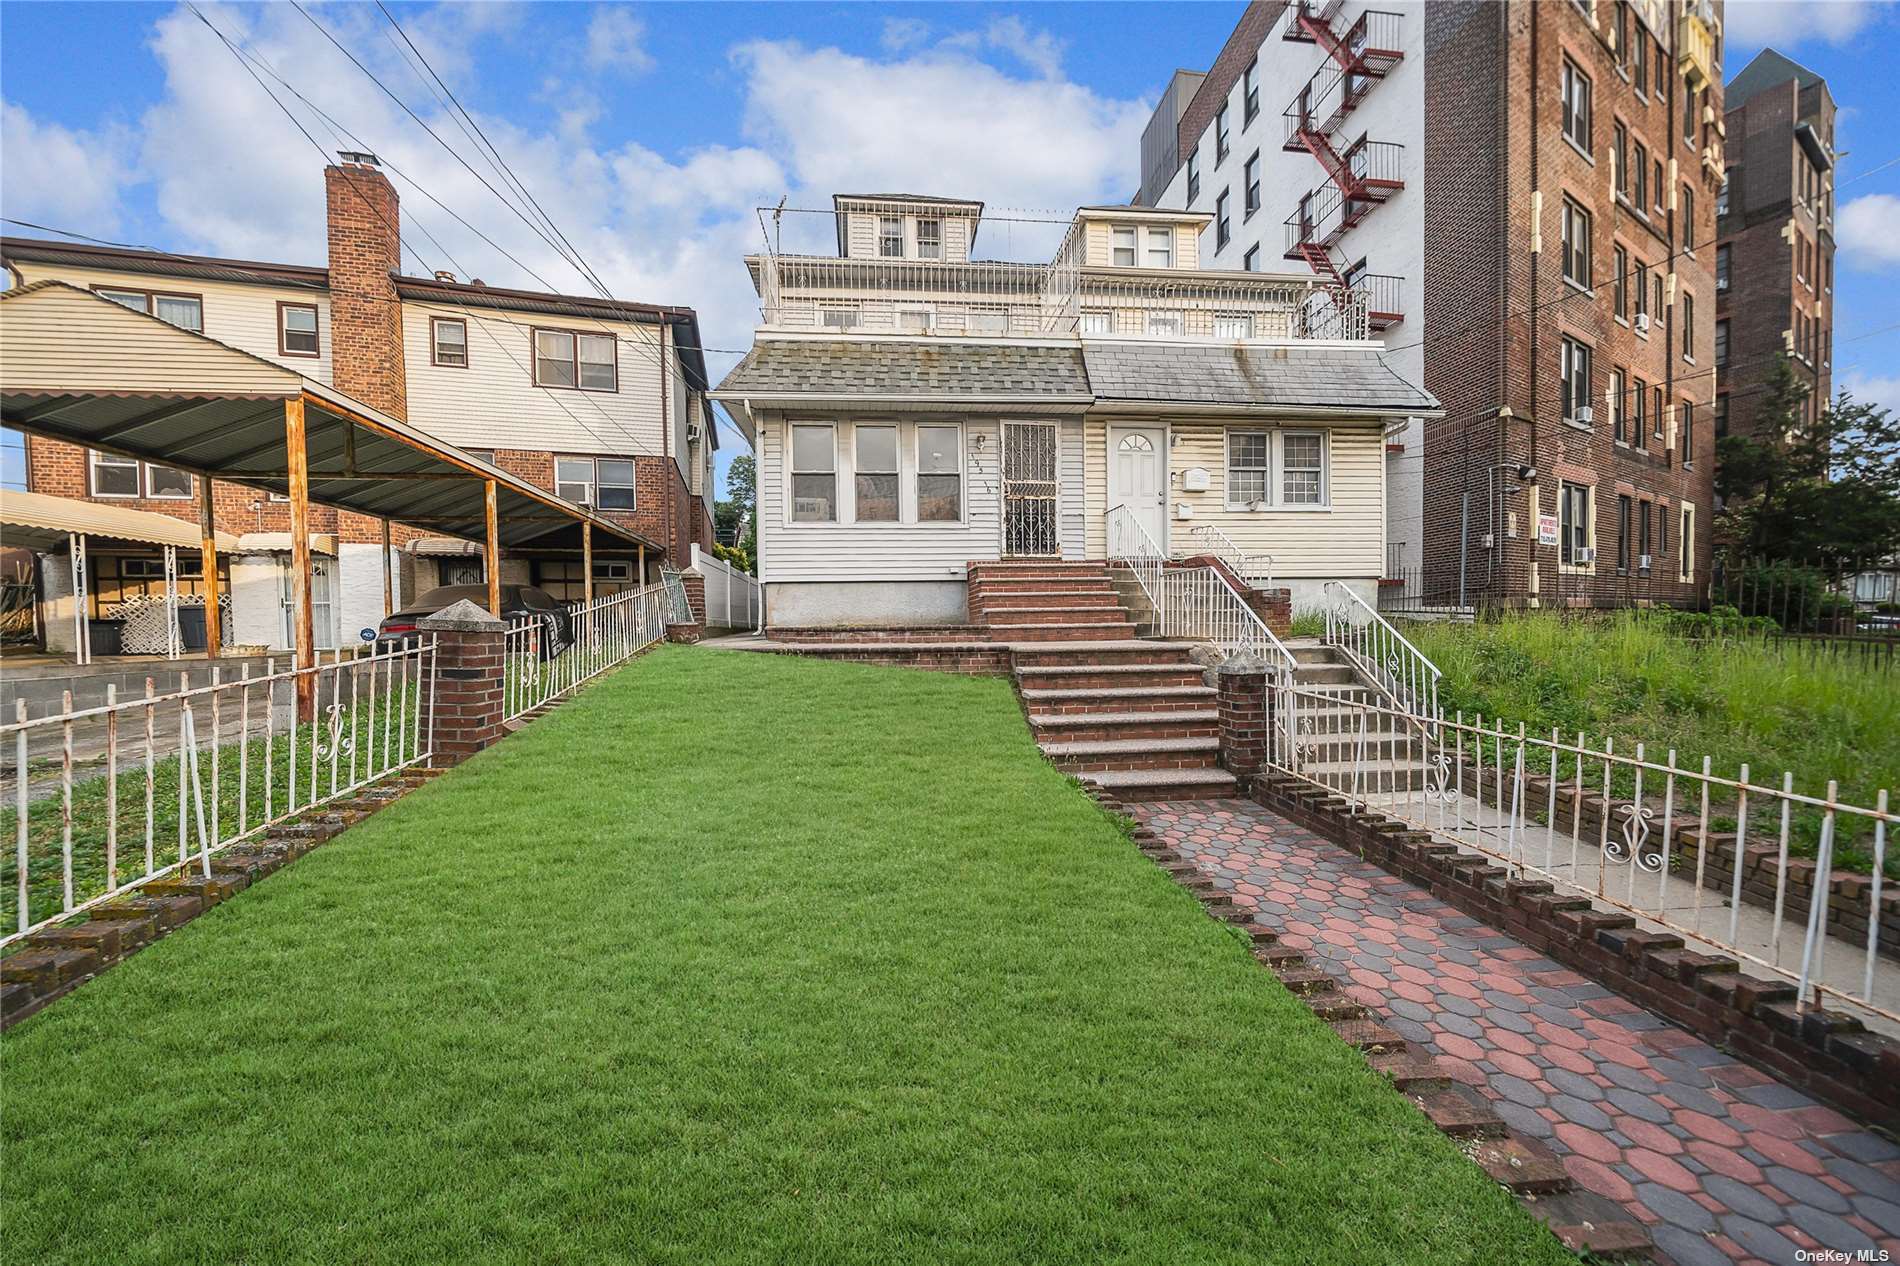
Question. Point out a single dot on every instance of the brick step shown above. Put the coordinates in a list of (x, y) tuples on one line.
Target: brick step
[(1045, 613), (1159, 699), (1016, 568), (1169, 784), (1102, 651), (1067, 598), (1050, 584), (1069, 631), (1083, 727), (1107, 754), (1107, 676)]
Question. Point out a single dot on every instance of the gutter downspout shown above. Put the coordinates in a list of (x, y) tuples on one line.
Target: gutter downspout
[(666, 444), (1535, 401), (758, 548)]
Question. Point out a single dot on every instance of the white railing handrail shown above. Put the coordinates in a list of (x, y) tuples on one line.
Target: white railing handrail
[(1618, 825), (1244, 611), (1130, 545), (1386, 656), (601, 634), (1228, 551)]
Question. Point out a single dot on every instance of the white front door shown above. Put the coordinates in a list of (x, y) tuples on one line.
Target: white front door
[(1137, 477), (322, 604)]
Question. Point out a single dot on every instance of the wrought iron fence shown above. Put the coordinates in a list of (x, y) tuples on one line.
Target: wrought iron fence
[(1683, 848), (109, 797), (1255, 569), (546, 657), (1830, 597)]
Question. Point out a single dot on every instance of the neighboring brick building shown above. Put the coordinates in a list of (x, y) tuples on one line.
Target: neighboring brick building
[(565, 391), (1775, 257), (1525, 194)]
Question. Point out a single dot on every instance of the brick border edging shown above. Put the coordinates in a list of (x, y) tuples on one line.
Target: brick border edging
[(1829, 1054), (59, 959), (1584, 1222)]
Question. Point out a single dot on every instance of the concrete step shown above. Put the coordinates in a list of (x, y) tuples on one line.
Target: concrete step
[(1118, 651), (1156, 699), (1069, 631), (1165, 784), (1316, 654), (1108, 754), (1107, 676), (1051, 611), (1374, 775), (1324, 675), (1034, 569), (1082, 727)]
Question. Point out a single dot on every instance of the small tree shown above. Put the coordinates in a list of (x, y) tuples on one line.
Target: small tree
[(1827, 492), (737, 516)]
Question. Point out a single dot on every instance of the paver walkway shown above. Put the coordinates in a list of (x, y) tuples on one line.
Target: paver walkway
[(1719, 1160)]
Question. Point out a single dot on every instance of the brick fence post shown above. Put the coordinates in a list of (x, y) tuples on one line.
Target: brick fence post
[(695, 585), (1241, 699), (466, 716)]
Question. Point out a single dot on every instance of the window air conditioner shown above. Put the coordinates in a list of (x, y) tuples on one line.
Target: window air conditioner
[(693, 433), (1586, 556), (1642, 562), (1586, 415), (1642, 322)]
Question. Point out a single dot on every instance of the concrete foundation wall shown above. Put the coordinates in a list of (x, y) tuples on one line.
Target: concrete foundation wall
[(867, 602)]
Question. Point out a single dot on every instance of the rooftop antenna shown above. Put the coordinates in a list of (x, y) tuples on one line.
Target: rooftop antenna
[(778, 217)]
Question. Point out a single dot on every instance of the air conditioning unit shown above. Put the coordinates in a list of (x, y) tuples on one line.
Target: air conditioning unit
[(1586, 415), (1586, 556), (1642, 322), (693, 432), (1642, 562)]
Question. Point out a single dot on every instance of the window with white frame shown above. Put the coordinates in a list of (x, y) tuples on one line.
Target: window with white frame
[(814, 474), (1124, 246), (448, 342), (838, 316), (1250, 91), (614, 483), (1160, 244), (1577, 262), (1685, 545), (574, 479), (875, 474), (187, 312), (1573, 523), (1247, 468), (122, 477), (1575, 378), (563, 358), (1233, 325), (297, 330), (167, 482), (939, 473), (114, 476), (1302, 468), (890, 236), (1576, 90), (1613, 401), (930, 239), (1165, 324), (1096, 322)]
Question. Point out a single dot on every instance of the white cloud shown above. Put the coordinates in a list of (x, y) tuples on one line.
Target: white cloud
[(1787, 23), (1872, 388), (616, 40), (1038, 50), (903, 33), (1868, 230), (60, 176)]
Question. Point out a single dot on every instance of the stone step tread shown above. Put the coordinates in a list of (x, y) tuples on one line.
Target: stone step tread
[(822, 647), (1149, 778), (1131, 747), (1088, 720), (1119, 670), (1106, 694), (1108, 644)]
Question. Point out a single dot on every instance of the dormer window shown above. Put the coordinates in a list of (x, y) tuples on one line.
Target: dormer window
[(930, 239), (1160, 248), (890, 236), (1124, 247)]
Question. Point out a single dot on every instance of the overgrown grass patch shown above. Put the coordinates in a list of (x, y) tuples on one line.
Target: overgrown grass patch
[(734, 958), (1734, 701)]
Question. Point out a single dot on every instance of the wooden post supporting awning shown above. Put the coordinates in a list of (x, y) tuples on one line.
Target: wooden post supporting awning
[(296, 447)]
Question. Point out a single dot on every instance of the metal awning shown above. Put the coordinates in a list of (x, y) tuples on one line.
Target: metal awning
[(35, 521), (80, 368), (281, 543)]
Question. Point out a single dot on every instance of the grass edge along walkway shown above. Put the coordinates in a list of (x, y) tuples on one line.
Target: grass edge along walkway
[(732, 958)]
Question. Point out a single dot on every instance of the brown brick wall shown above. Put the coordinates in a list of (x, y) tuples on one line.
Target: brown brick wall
[(365, 316), (1495, 313), (1233, 59), (651, 475)]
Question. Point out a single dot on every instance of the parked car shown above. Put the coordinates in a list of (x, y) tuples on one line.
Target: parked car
[(518, 603)]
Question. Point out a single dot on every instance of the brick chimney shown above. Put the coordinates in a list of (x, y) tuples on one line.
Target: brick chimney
[(365, 222)]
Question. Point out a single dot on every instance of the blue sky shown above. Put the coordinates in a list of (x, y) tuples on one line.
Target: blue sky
[(651, 131)]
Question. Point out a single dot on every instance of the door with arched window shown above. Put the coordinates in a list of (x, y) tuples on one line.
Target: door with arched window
[(1137, 476)]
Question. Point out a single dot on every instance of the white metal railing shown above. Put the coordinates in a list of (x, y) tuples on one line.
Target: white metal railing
[(1130, 546), (732, 596), (1201, 605), (1651, 838), (1403, 673), (1255, 569), (109, 797), (547, 656)]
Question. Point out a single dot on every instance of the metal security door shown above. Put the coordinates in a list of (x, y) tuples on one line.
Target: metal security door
[(1029, 489)]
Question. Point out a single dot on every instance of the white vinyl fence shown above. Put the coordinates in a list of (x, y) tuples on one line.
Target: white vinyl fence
[(1643, 835), (546, 658), (732, 596), (106, 798)]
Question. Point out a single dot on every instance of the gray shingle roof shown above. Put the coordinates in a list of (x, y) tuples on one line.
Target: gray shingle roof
[(1269, 376), (860, 368)]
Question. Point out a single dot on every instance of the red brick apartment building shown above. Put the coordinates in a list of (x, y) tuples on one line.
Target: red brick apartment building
[(1544, 241), (568, 392), (1774, 262)]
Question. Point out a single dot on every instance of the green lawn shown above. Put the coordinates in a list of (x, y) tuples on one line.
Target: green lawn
[(1734, 700), (735, 958)]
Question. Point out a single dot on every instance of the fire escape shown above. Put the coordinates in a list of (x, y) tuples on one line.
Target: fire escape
[(1367, 172)]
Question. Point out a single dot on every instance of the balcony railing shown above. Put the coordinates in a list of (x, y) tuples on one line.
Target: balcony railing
[(1373, 171), (1384, 298), (999, 299)]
